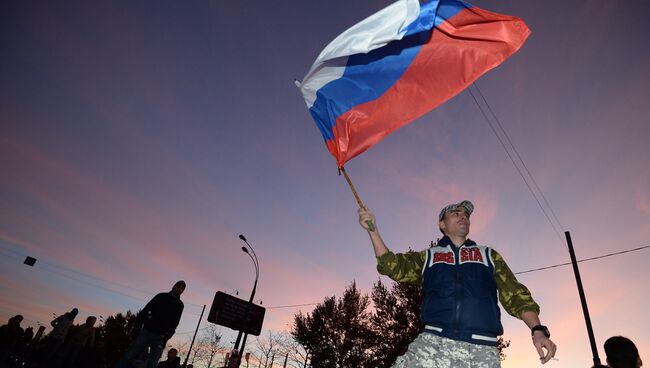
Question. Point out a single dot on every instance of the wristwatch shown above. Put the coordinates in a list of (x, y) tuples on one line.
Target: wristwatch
[(542, 328)]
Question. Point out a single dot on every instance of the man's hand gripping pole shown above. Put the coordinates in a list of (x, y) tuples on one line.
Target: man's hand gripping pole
[(371, 226)]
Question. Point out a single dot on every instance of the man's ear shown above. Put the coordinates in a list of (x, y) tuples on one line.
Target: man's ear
[(441, 224)]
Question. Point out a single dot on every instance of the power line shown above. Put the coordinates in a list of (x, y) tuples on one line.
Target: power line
[(190, 331), (516, 273), (583, 260), (514, 148), (291, 306), (310, 304), (60, 270), (523, 177), (66, 269)]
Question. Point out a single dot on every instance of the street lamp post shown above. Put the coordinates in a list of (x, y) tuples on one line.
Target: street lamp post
[(257, 275)]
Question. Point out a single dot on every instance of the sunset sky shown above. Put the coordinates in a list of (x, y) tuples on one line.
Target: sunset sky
[(138, 139)]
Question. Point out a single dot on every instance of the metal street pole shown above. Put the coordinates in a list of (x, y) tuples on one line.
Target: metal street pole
[(194, 337), (257, 275), (583, 300), (239, 335)]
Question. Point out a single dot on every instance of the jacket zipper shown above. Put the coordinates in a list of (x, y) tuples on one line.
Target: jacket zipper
[(458, 288)]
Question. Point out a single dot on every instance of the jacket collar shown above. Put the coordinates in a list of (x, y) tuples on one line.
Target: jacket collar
[(445, 241)]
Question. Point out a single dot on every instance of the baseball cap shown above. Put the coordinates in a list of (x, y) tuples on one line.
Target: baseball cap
[(469, 207)]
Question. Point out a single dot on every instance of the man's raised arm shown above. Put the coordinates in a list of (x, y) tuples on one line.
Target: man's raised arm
[(377, 242)]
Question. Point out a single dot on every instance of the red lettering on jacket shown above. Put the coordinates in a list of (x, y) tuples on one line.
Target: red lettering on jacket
[(477, 255), (447, 257), (450, 258), (470, 255), (464, 255)]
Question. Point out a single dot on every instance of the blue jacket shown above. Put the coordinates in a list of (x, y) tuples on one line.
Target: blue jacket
[(460, 293)]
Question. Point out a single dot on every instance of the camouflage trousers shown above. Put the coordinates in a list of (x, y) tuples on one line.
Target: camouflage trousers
[(432, 351)]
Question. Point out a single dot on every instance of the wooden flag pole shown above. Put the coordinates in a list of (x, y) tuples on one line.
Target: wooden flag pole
[(371, 226)]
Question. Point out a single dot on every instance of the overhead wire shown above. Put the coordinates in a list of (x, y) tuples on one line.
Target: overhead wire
[(519, 272), (519, 170), (607, 255), (291, 306), (516, 273), (523, 163), (583, 260), (61, 271)]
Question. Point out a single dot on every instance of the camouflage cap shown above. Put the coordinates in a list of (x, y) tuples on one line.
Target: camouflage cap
[(469, 207)]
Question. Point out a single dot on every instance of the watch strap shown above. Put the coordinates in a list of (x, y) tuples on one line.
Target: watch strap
[(542, 328)]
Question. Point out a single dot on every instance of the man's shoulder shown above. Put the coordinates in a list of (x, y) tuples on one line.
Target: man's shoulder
[(171, 298), (159, 296)]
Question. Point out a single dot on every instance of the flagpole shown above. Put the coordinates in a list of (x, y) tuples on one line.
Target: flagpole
[(371, 226)]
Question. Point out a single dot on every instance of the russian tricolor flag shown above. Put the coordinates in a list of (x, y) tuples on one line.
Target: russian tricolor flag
[(400, 63)]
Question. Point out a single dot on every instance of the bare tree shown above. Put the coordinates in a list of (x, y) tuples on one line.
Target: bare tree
[(270, 348), (210, 346), (294, 352)]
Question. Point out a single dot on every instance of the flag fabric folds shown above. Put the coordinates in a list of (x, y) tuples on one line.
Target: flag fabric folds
[(400, 63)]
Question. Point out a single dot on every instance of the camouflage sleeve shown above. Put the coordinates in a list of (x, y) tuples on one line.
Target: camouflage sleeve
[(402, 267), (514, 296)]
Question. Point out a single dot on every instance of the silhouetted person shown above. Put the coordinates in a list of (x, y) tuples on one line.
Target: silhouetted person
[(39, 334), (11, 335), (235, 359), (28, 336), (60, 326), (173, 360), (155, 324), (25, 345), (622, 353), (81, 337)]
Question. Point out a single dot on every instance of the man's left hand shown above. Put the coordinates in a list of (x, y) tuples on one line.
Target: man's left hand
[(542, 343)]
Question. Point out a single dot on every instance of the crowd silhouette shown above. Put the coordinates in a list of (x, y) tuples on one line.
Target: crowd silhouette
[(70, 345)]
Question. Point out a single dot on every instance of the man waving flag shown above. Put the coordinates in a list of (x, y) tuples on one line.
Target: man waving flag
[(400, 63)]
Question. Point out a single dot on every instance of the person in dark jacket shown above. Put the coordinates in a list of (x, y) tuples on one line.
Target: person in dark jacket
[(155, 324), (10, 336)]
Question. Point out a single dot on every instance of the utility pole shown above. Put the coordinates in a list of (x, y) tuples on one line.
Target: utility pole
[(194, 337), (240, 349), (583, 299)]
